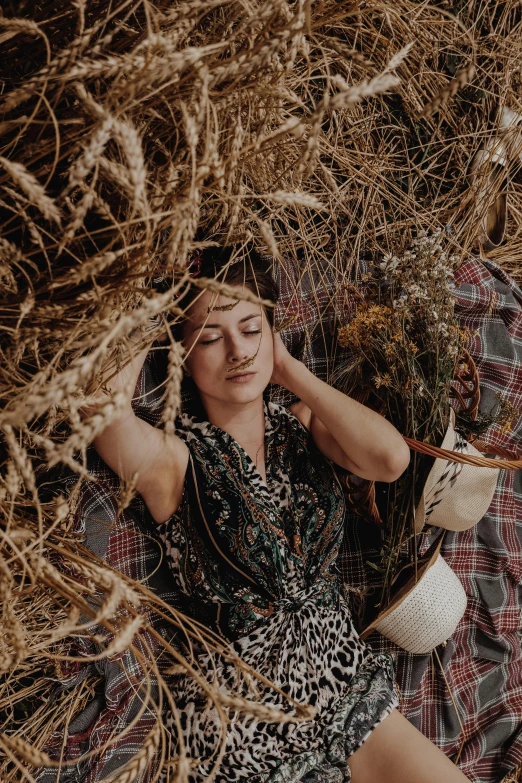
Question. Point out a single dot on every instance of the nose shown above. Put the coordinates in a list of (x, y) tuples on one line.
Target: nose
[(238, 349)]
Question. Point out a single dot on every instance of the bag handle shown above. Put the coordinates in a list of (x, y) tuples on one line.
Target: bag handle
[(465, 459)]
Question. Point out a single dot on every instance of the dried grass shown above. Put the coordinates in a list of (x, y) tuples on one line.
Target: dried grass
[(130, 133)]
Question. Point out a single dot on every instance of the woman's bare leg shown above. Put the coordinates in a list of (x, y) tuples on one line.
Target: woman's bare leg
[(395, 752)]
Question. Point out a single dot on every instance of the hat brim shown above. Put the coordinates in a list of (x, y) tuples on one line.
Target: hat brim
[(455, 496)]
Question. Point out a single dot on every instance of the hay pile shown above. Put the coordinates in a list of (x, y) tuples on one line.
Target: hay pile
[(134, 133)]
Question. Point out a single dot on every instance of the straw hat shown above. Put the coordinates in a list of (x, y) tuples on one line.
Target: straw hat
[(426, 611), (455, 496)]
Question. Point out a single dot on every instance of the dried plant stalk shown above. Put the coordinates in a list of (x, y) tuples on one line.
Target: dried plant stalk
[(461, 79)]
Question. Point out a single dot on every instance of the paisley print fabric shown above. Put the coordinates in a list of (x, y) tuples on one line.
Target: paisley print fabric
[(257, 563)]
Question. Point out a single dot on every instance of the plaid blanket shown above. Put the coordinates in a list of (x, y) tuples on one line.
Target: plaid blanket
[(467, 696)]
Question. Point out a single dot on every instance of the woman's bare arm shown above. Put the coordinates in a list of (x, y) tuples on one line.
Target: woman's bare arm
[(350, 434), (136, 450)]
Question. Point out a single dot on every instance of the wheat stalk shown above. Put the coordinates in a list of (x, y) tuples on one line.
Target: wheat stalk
[(173, 386), (78, 214), (25, 751), (32, 189), (92, 152), (128, 137), (123, 639), (265, 712), (23, 26), (462, 78), (299, 199)]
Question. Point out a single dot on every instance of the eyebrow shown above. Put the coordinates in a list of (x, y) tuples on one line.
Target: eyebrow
[(218, 326)]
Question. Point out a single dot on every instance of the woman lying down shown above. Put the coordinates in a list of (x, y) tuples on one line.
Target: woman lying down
[(251, 512)]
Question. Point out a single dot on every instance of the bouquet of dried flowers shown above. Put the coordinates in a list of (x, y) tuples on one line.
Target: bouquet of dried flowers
[(408, 346), (407, 337)]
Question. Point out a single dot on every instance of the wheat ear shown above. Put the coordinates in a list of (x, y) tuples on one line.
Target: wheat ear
[(32, 189), (441, 99)]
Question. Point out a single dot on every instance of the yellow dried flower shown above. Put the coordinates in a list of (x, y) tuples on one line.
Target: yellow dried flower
[(508, 414), (347, 336), (382, 380), (413, 348), (367, 322)]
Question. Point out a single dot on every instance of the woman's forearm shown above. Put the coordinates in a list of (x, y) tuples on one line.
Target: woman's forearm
[(123, 381), (126, 379), (365, 436)]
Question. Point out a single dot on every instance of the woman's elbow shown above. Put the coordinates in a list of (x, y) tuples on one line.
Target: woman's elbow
[(397, 461)]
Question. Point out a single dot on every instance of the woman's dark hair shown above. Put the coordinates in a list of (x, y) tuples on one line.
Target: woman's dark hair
[(245, 268)]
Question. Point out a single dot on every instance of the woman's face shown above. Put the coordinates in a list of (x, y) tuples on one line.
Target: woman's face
[(218, 341)]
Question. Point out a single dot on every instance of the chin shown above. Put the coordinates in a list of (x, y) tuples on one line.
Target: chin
[(245, 395), (245, 392)]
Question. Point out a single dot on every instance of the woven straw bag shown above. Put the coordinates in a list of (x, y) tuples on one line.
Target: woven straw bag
[(456, 496), (426, 611)]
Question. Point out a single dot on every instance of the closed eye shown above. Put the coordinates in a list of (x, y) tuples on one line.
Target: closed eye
[(209, 342)]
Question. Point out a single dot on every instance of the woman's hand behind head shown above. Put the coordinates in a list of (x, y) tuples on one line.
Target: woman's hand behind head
[(283, 362)]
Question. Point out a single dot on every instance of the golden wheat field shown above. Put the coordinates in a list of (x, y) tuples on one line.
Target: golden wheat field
[(134, 133)]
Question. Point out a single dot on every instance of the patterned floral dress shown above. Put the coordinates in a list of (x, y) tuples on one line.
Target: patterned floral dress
[(256, 562)]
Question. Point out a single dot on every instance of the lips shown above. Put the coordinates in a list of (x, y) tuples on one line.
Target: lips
[(241, 377)]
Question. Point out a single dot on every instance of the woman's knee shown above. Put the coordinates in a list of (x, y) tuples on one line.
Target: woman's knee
[(396, 752)]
